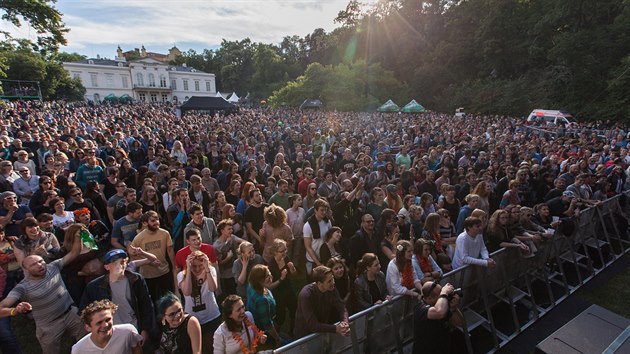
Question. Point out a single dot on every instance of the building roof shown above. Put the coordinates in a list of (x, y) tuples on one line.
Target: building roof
[(187, 69), (108, 62)]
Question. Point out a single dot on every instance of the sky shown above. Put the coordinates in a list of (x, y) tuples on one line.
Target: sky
[(98, 27)]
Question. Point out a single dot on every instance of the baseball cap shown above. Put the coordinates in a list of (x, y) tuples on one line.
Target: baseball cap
[(113, 255)]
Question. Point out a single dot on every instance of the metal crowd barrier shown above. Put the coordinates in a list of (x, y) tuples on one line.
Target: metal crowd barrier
[(500, 302)]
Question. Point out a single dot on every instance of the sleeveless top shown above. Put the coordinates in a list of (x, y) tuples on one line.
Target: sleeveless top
[(176, 340)]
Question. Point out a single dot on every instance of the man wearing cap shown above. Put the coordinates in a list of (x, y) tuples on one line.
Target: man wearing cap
[(124, 288), (44, 289), (12, 214), (565, 205)]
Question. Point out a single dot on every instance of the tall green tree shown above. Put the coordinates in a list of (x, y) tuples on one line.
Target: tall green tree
[(42, 16)]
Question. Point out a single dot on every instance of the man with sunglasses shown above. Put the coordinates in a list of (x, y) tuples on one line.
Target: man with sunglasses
[(435, 320)]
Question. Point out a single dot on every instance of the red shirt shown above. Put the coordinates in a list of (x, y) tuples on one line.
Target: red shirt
[(180, 257)]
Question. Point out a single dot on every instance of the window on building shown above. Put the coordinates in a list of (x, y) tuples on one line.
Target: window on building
[(142, 97), (76, 75), (125, 81), (94, 79), (175, 99), (185, 98), (109, 80), (185, 85), (154, 97), (196, 85), (151, 80), (174, 84), (208, 86), (164, 98), (97, 98), (139, 79), (162, 81)]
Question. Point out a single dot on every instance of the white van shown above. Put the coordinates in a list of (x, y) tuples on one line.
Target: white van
[(550, 117)]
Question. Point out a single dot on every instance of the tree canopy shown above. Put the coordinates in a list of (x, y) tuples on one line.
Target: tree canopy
[(42, 16)]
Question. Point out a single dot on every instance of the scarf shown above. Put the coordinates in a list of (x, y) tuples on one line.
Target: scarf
[(312, 221), (407, 276)]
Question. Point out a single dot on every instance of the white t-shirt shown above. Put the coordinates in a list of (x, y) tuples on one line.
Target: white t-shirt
[(316, 243), (124, 338), (205, 306)]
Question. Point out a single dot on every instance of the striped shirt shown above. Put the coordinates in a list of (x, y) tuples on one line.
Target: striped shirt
[(48, 296)]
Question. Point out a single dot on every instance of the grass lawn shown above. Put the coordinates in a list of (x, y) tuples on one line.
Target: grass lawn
[(613, 294)]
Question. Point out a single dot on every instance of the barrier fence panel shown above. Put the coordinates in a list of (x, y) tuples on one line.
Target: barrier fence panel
[(499, 302)]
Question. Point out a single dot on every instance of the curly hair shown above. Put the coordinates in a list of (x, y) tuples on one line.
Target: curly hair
[(97, 306)]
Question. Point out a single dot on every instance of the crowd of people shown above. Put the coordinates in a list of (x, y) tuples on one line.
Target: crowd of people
[(135, 230)]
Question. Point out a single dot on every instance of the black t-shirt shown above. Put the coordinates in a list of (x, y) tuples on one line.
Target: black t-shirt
[(429, 336), (256, 216)]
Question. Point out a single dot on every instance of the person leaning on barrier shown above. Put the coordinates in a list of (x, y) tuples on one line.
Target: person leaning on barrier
[(435, 321), (319, 306)]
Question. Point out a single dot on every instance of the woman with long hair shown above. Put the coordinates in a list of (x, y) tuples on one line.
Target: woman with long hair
[(331, 247), (237, 334), (341, 274), (295, 220), (127, 173), (311, 196), (178, 152), (150, 201), (198, 282), (401, 278), (260, 301), (233, 192), (229, 212), (243, 265), (388, 245), (432, 233), (181, 332), (216, 208), (167, 197), (282, 270), (423, 263), (370, 287), (500, 235), (484, 190), (447, 232), (274, 227), (243, 203)]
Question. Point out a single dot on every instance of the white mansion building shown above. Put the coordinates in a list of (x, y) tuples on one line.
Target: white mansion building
[(147, 79)]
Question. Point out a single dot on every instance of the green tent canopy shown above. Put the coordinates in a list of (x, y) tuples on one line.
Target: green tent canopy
[(110, 98), (389, 106), (413, 107), (125, 98)]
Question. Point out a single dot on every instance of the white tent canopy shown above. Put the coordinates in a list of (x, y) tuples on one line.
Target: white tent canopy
[(219, 94), (233, 98)]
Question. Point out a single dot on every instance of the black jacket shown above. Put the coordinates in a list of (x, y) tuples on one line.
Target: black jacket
[(98, 289)]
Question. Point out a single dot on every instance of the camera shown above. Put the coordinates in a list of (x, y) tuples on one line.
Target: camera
[(457, 291)]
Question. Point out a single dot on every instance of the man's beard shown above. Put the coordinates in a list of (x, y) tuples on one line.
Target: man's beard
[(153, 228)]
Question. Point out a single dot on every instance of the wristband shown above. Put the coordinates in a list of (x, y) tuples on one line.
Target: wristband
[(443, 296), (12, 313)]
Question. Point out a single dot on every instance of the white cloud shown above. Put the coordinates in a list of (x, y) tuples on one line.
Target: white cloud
[(163, 23)]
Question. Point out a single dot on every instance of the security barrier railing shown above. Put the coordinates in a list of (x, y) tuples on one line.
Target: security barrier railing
[(500, 302)]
